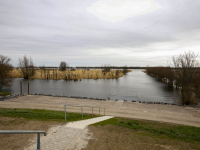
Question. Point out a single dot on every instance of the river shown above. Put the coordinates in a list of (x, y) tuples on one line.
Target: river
[(135, 85)]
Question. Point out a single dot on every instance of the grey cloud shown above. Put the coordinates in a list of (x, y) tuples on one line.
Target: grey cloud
[(65, 27)]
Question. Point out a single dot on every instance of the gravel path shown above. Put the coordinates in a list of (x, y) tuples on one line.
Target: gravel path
[(60, 138)]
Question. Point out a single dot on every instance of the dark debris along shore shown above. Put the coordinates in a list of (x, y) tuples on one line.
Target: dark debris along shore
[(2, 98)]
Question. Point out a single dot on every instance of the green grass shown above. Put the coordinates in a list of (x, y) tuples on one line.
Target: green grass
[(43, 115), (4, 93), (179, 132)]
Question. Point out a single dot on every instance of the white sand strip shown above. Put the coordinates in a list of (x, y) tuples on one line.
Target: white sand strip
[(84, 123), (118, 104)]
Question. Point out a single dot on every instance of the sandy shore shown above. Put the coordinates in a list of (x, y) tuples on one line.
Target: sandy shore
[(156, 112)]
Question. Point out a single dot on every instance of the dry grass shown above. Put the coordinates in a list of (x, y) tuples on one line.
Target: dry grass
[(111, 137), (70, 75)]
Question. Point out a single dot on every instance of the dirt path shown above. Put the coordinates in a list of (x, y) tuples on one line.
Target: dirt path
[(164, 113)]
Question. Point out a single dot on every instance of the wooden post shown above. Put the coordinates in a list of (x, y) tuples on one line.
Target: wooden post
[(92, 111), (21, 86), (28, 88), (82, 112), (65, 113)]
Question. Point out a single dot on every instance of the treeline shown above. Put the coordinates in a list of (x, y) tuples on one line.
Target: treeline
[(184, 75), (163, 73)]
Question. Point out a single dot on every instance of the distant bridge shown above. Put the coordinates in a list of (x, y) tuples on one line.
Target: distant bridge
[(78, 67), (111, 67)]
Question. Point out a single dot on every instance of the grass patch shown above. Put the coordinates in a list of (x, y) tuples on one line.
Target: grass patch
[(43, 115), (4, 93), (179, 132)]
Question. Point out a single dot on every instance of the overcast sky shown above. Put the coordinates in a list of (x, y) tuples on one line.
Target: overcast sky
[(97, 32)]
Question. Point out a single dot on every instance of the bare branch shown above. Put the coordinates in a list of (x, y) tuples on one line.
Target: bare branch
[(27, 67), (5, 69)]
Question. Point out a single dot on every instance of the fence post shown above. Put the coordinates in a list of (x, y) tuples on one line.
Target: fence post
[(21, 86), (38, 142), (65, 113), (92, 111), (82, 112), (99, 111), (104, 111), (28, 88)]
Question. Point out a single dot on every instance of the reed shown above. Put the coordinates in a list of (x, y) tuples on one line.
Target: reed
[(55, 74)]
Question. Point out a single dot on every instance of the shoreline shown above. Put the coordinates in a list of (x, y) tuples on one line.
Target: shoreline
[(89, 98)]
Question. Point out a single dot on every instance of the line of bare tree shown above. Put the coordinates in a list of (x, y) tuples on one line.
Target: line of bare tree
[(184, 74), (28, 69), (47, 75), (163, 73), (107, 68)]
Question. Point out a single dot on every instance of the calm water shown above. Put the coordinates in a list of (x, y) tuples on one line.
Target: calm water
[(136, 85)]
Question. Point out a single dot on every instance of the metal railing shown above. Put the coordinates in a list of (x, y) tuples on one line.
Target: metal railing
[(25, 132), (82, 109)]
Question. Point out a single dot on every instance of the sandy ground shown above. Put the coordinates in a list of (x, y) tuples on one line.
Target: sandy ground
[(156, 112), (81, 141), (20, 141), (50, 131)]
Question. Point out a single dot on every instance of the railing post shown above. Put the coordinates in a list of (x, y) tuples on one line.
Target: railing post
[(99, 111), (65, 113), (38, 141), (92, 111)]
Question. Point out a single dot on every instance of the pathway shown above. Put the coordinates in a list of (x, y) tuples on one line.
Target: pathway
[(118, 104), (63, 137)]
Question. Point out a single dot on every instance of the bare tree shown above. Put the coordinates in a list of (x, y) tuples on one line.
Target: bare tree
[(27, 67), (63, 65), (5, 69), (185, 66), (169, 76), (196, 83), (117, 73), (105, 69), (125, 70)]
